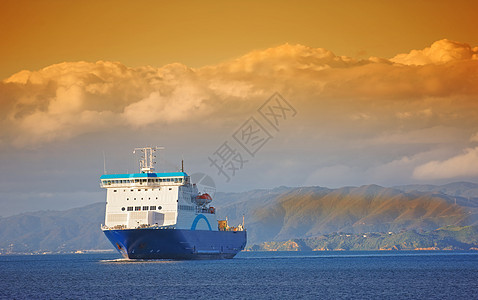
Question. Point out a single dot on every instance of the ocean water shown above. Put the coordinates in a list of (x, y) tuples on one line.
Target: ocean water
[(251, 275)]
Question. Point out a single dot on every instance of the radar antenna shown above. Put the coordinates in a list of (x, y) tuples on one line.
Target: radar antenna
[(146, 163)]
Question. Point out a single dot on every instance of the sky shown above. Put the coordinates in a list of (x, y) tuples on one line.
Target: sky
[(254, 94)]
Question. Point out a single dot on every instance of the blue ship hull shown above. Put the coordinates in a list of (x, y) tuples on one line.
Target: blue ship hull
[(177, 243)]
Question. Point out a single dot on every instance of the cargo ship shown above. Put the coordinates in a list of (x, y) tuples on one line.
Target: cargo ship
[(153, 215)]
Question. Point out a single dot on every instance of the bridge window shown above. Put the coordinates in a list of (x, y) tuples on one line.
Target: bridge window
[(136, 208), (152, 208), (130, 208), (145, 207)]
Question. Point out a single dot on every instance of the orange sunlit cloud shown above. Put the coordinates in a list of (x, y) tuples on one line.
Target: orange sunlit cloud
[(59, 101), (425, 97)]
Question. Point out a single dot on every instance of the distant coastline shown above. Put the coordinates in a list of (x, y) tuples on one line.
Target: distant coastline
[(446, 238), (41, 252), (449, 238)]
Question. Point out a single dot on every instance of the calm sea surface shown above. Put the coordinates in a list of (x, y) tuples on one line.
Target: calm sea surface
[(251, 275)]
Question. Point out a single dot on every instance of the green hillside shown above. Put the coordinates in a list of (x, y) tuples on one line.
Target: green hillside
[(312, 211), (448, 238)]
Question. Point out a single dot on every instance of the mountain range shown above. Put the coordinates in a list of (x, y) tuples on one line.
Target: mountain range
[(285, 213), (58, 231), (277, 214)]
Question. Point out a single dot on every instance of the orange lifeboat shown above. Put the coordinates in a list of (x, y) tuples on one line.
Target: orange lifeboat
[(203, 199), (204, 196)]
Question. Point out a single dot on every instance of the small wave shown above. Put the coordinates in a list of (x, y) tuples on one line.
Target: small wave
[(135, 261), (118, 260)]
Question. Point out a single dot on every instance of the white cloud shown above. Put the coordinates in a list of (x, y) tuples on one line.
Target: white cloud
[(425, 113), (462, 165), (374, 95), (441, 51), (474, 137), (432, 135), (184, 103)]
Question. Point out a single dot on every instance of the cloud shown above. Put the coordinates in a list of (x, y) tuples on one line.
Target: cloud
[(70, 99), (430, 135), (185, 102), (289, 57), (462, 165), (474, 137), (441, 51)]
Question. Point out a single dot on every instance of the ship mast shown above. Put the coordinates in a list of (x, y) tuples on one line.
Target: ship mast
[(146, 164)]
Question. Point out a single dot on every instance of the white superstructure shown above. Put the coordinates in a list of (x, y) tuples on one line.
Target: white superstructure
[(149, 199)]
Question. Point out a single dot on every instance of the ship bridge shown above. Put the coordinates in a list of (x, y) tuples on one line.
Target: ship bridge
[(144, 179)]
